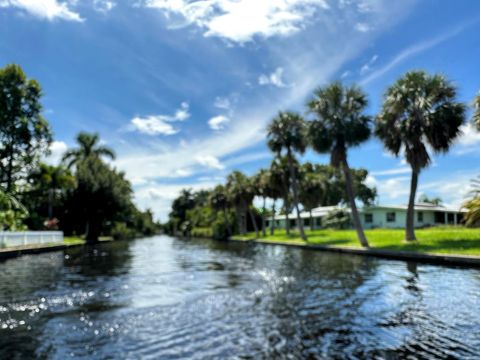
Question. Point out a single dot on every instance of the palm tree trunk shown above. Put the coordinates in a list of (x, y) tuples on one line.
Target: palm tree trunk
[(264, 225), (239, 219), (272, 225), (410, 226), (295, 195), (254, 223), (50, 204), (287, 220), (244, 218), (10, 171), (227, 223), (353, 206)]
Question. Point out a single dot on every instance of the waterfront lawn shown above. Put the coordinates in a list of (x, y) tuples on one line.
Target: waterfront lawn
[(435, 240), (73, 240)]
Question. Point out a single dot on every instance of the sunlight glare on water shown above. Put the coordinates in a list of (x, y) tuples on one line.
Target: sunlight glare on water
[(170, 298)]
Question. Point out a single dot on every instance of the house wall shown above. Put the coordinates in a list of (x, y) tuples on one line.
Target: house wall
[(380, 218)]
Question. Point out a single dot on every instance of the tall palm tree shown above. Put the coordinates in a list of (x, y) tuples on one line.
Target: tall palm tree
[(339, 124), (260, 182), (287, 132), (219, 202), (313, 188), (52, 179), (89, 145), (420, 111), (476, 114), (275, 188), (241, 194)]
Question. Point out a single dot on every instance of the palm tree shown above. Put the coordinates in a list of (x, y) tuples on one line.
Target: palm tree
[(313, 188), (51, 179), (241, 194), (420, 111), (288, 132), (275, 189), (472, 217), (89, 145), (338, 125), (260, 182), (219, 202), (476, 114)]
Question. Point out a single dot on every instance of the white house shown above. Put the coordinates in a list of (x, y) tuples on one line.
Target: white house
[(382, 216)]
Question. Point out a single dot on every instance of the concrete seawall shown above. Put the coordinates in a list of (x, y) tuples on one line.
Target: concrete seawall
[(437, 259)]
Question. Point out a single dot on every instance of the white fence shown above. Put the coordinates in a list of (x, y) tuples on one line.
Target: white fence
[(10, 238)]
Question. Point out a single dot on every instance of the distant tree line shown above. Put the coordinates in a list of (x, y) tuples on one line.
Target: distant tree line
[(83, 195), (420, 116)]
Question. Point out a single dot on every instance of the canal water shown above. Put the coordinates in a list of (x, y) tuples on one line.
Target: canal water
[(167, 298)]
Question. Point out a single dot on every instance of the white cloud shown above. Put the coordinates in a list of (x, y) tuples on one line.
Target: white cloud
[(57, 149), (395, 171), (104, 5), (390, 190), (412, 51), (469, 141), (362, 27), (241, 21), (367, 67), (209, 161), (160, 124), (300, 59), (153, 125), (218, 122), (46, 9), (159, 196), (274, 78), (222, 103)]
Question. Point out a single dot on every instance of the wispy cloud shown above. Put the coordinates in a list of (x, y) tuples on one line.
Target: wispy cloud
[(160, 124), (57, 149), (412, 51), (241, 21), (275, 78), (218, 122), (395, 171), (104, 6), (209, 161), (368, 66), (468, 141), (45, 9)]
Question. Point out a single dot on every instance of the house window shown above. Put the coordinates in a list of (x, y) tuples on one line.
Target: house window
[(292, 223), (306, 222), (391, 217), (420, 216), (368, 218), (319, 222)]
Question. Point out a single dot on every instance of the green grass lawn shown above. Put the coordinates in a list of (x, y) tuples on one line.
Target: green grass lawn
[(437, 240), (72, 240)]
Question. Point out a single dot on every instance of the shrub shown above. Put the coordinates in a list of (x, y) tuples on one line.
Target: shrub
[(337, 219), (120, 231)]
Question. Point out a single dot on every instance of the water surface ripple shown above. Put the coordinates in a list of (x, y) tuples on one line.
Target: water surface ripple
[(167, 298)]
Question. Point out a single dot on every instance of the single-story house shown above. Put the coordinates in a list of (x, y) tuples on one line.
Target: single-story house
[(381, 216)]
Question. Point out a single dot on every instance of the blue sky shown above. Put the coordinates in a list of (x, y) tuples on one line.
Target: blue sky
[(183, 90)]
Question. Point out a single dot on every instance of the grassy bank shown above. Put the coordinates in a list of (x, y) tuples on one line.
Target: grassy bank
[(72, 240), (436, 240)]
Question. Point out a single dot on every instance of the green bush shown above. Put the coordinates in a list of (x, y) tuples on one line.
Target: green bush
[(202, 232), (120, 231), (337, 219)]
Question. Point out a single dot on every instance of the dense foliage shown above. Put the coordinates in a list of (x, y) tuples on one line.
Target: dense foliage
[(83, 195)]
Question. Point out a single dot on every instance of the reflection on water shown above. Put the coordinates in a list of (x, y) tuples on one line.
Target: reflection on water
[(169, 298)]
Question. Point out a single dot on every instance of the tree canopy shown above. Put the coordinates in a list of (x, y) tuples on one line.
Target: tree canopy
[(25, 134)]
